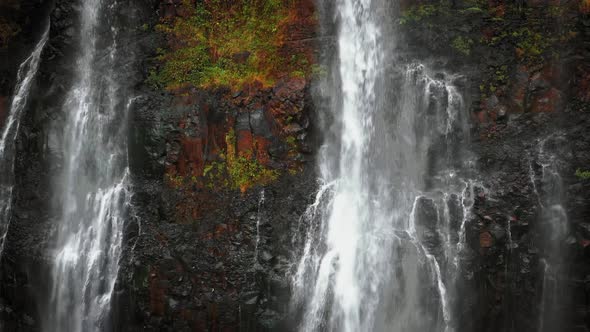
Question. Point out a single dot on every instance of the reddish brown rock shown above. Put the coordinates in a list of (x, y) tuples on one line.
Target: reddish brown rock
[(289, 88), (486, 240), (481, 117), (245, 143), (518, 90), (216, 139), (297, 32), (548, 101), (191, 161), (262, 144)]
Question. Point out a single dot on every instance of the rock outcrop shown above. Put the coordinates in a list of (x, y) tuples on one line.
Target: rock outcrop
[(221, 175)]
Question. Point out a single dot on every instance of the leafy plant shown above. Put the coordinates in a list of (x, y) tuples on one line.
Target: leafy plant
[(462, 45), (584, 175), (245, 171), (530, 43), (418, 13)]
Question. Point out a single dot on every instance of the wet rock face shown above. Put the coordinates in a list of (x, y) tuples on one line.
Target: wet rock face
[(27, 255), (193, 261), (203, 256), (225, 271), (23, 254), (508, 236), (210, 258)]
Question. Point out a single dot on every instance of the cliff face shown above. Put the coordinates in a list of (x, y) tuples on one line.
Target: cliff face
[(524, 64), (223, 174), (223, 164), (221, 170)]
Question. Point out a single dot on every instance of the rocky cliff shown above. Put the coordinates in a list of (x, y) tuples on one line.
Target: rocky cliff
[(223, 163)]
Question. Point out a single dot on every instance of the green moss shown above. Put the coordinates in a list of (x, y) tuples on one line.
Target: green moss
[(216, 43), (462, 45), (175, 180), (291, 140), (584, 175), (418, 13), (531, 44), (472, 10), (245, 171)]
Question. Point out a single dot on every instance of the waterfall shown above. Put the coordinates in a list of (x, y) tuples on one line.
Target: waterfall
[(25, 77), (381, 242), (259, 216), (554, 231), (93, 187)]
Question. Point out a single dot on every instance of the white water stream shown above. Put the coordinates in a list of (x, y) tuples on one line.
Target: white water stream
[(93, 188), (383, 236), (25, 78)]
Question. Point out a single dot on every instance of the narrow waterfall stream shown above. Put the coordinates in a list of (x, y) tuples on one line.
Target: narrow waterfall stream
[(25, 78), (385, 232), (94, 185), (259, 219), (554, 220)]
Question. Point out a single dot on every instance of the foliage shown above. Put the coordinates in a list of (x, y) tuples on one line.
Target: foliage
[(532, 44), (291, 141), (175, 180), (216, 43), (243, 171), (418, 13), (584, 175), (472, 10), (462, 45)]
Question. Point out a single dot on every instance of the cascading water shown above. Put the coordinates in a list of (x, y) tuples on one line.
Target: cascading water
[(25, 77), (259, 216), (93, 188), (383, 236), (554, 222)]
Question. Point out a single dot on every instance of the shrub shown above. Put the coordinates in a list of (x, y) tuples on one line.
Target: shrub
[(245, 172), (462, 45), (217, 43), (584, 175)]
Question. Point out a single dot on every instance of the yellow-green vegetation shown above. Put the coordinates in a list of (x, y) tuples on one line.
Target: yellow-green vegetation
[(217, 43), (584, 175), (7, 31), (498, 79), (175, 180), (233, 171), (462, 45), (532, 43), (237, 171), (418, 13), (245, 171)]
